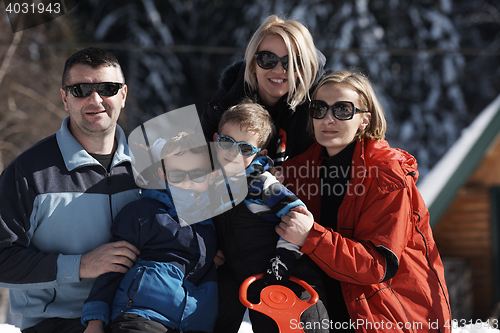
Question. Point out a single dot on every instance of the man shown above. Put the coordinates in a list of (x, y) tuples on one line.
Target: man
[(58, 199)]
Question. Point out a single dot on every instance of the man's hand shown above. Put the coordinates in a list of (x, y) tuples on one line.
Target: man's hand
[(111, 257)]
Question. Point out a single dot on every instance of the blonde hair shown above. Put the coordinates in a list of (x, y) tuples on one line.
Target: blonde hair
[(250, 117), (359, 83), (298, 41)]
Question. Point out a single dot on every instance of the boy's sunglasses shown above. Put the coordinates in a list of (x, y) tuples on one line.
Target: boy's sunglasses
[(106, 89), (341, 110), (267, 60), (196, 176), (244, 149)]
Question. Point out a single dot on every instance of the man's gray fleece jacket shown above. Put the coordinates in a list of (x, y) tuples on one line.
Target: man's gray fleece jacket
[(57, 203)]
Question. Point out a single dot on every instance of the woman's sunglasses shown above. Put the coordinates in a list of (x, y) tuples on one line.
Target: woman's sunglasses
[(244, 149), (106, 89), (267, 60), (177, 176), (341, 110)]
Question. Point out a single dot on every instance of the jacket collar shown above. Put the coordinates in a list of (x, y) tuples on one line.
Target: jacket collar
[(190, 206), (313, 158), (260, 164), (75, 156)]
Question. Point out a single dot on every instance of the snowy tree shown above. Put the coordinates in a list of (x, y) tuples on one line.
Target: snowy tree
[(433, 63)]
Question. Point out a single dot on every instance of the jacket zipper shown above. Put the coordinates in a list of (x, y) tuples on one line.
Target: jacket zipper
[(108, 180), (402, 307), (131, 299), (429, 263)]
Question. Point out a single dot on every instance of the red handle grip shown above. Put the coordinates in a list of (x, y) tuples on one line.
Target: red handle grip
[(279, 302), (244, 287)]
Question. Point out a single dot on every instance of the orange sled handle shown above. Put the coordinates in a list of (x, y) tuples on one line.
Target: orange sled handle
[(280, 303)]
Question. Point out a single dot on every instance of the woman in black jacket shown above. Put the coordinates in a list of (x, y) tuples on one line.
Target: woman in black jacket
[(280, 67)]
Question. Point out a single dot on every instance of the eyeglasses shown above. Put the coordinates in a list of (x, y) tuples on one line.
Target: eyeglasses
[(106, 89), (267, 60), (343, 110), (177, 176), (244, 149)]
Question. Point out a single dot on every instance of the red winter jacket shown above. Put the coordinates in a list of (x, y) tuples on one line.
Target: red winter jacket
[(383, 227)]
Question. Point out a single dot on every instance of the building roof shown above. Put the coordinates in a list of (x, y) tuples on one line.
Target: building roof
[(441, 184)]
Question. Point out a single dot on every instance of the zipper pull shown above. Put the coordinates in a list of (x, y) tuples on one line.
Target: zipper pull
[(123, 310)]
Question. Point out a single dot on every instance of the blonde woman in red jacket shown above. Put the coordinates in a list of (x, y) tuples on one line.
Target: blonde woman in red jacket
[(366, 225)]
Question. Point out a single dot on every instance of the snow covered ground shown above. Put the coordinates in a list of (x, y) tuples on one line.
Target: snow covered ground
[(6, 328), (475, 328)]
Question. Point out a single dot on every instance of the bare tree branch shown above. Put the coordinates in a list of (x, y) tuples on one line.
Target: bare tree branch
[(10, 53), (10, 130), (51, 107), (6, 145), (14, 112)]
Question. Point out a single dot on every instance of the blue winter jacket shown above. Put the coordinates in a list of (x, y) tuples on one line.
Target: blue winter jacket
[(56, 203), (174, 280)]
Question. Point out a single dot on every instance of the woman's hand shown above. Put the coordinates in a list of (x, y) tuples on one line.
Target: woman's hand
[(219, 259), (295, 226), (277, 174), (95, 326)]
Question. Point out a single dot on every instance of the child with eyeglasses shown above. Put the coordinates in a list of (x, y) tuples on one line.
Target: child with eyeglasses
[(173, 286), (246, 232)]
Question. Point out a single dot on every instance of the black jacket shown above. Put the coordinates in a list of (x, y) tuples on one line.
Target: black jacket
[(232, 89)]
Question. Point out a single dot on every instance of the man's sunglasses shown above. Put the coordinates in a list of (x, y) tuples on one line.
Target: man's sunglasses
[(106, 89), (177, 176), (267, 60), (341, 110), (244, 149)]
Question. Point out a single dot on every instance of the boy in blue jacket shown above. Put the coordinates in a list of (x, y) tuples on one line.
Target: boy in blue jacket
[(172, 287)]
